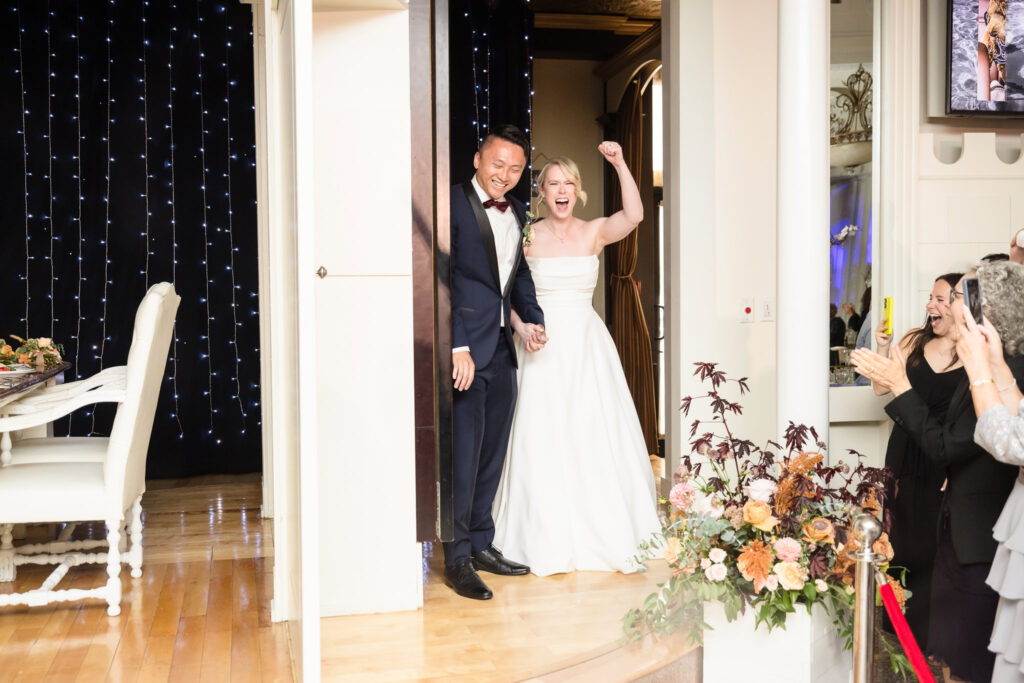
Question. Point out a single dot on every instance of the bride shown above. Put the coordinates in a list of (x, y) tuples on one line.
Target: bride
[(577, 491)]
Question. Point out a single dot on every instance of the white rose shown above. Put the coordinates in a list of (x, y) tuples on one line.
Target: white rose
[(44, 342), (711, 506), (705, 563), (716, 572), (760, 490), (772, 582), (716, 555), (821, 586)]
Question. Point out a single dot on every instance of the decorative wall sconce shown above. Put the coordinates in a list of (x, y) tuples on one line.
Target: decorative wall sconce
[(850, 121)]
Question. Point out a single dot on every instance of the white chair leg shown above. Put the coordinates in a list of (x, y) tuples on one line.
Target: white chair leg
[(7, 570), (5, 449), (135, 530), (113, 567)]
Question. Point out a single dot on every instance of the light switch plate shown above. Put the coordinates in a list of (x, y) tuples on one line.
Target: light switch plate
[(766, 308)]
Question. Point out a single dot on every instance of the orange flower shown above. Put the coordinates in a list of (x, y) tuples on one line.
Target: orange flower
[(6, 350), (791, 575), (819, 530), (755, 563), (871, 504), (759, 514), (883, 547), (897, 589), (804, 463), (24, 358), (672, 548)]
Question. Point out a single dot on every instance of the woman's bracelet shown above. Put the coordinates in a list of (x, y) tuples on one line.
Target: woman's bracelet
[(978, 382), (1009, 386)]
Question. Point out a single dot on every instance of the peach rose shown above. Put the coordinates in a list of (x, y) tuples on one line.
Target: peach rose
[(759, 514), (819, 530), (6, 350), (672, 549), (791, 575)]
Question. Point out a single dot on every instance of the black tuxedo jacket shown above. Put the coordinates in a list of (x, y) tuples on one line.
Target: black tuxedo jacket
[(475, 285), (978, 485)]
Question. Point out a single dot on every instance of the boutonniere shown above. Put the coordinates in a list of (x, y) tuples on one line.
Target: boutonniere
[(528, 229)]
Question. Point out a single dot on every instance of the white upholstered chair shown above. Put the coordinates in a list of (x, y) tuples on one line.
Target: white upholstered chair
[(86, 478)]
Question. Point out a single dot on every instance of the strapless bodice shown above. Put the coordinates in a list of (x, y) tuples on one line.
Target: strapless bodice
[(564, 280)]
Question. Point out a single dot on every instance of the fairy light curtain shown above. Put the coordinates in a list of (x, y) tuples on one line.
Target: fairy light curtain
[(490, 66), (127, 141)]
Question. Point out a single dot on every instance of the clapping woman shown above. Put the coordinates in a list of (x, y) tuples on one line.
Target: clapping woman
[(963, 606)]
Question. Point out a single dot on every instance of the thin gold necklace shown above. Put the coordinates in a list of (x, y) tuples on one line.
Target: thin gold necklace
[(560, 239)]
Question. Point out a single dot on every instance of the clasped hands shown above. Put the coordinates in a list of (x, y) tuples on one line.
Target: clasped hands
[(534, 337)]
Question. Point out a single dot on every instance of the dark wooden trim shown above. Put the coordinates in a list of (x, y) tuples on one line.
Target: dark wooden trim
[(422, 267), (431, 308), (648, 41), (442, 277)]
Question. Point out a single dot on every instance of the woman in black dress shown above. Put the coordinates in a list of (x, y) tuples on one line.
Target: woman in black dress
[(963, 606), (915, 494)]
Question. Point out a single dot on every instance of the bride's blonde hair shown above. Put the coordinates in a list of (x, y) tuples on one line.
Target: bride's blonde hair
[(570, 170)]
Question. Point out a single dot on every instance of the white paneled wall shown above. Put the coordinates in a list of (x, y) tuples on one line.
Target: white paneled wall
[(965, 209), (369, 558)]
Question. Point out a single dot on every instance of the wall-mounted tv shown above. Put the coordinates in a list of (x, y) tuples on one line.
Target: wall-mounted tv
[(985, 57)]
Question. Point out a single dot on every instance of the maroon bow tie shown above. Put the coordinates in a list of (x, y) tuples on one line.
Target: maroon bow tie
[(497, 204)]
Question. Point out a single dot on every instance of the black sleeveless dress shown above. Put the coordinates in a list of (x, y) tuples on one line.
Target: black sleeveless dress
[(915, 497)]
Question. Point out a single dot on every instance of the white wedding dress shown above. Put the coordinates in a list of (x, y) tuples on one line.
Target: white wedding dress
[(577, 491)]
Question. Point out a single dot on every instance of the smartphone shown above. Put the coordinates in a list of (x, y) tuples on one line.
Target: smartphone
[(972, 298), (887, 314)]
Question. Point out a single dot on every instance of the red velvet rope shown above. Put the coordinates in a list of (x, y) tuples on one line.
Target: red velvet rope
[(906, 637)]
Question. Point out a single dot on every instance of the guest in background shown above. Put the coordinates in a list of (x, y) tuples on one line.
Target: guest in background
[(963, 606), (989, 258), (853, 319), (864, 334), (999, 405), (1017, 247), (836, 333), (915, 495)]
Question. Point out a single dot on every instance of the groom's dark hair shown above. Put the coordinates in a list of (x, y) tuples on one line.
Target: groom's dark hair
[(506, 131)]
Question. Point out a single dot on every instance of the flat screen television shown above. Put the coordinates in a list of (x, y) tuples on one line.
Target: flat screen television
[(985, 58)]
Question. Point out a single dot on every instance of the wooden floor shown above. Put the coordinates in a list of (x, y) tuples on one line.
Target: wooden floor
[(200, 612), (557, 628)]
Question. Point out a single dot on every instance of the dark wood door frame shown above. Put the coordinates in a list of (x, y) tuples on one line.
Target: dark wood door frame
[(432, 361)]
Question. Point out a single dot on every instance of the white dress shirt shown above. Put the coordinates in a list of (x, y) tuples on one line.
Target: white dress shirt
[(505, 228)]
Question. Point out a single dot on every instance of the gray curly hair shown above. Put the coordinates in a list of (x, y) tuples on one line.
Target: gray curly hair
[(1002, 296)]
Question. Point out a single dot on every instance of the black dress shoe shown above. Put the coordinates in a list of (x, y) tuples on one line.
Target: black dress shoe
[(463, 579), (491, 560)]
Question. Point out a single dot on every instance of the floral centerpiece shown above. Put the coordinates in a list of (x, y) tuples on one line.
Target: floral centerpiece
[(41, 353), (765, 529)]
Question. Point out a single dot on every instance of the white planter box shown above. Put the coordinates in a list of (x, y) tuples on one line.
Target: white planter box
[(807, 651)]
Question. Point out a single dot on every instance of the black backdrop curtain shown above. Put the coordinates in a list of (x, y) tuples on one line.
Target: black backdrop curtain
[(490, 77), (127, 142)]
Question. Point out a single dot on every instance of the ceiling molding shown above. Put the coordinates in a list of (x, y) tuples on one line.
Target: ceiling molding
[(615, 23), (649, 41)]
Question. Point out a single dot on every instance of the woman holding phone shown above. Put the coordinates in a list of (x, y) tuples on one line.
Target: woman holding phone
[(999, 405), (914, 498), (963, 606)]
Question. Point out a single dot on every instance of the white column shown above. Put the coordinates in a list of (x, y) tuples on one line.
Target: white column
[(687, 38), (803, 214)]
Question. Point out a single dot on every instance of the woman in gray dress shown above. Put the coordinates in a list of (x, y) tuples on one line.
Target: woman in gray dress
[(999, 404)]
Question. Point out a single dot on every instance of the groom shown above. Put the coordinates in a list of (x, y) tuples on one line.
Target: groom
[(489, 277)]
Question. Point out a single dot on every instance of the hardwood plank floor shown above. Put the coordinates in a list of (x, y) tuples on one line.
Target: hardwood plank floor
[(200, 611)]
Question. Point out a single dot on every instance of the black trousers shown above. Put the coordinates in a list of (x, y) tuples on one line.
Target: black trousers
[(481, 421)]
